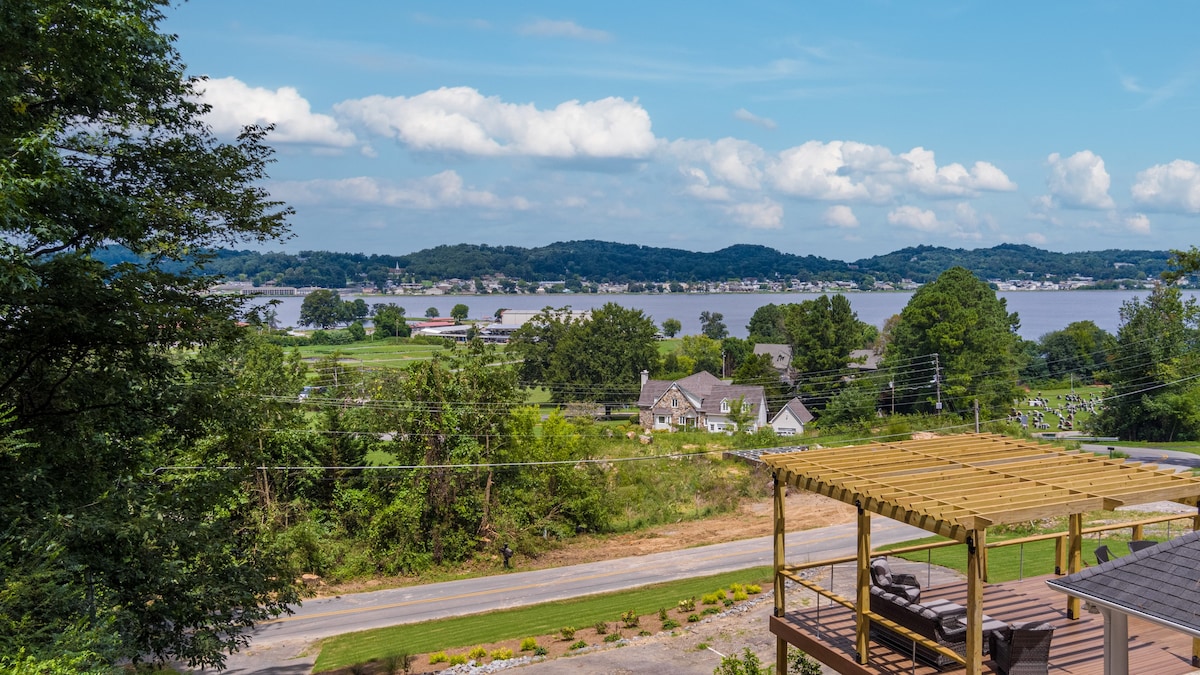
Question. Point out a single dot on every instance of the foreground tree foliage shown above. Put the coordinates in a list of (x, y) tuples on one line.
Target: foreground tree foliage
[(109, 371), (1151, 368), (959, 318)]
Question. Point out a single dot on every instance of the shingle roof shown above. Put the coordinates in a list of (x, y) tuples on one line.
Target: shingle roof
[(1161, 582), (781, 355), (704, 389), (796, 407)]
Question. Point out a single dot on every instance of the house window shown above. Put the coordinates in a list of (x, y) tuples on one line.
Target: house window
[(724, 405), (662, 419), (674, 403)]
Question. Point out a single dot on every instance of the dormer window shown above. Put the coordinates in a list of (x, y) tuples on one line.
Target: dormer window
[(724, 405)]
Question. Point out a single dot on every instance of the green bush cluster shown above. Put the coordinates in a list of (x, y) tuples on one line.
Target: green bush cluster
[(477, 654), (501, 654), (613, 637), (578, 645), (630, 618), (567, 632), (529, 644)]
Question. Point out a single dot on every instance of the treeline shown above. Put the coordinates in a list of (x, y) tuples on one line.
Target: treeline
[(607, 262)]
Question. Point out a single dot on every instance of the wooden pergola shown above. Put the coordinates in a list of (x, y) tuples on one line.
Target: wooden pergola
[(957, 487)]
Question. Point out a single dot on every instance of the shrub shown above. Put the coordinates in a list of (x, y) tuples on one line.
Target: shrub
[(746, 664), (601, 627), (541, 651), (740, 596), (458, 659), (662, 614), (728, 602), (438, 657), (612, 637), (670, 624), (708, 599), (735, 588), (630, 618), (702, 646), (644, 633), (399, 662), (567, 632), (529, 644), (579, 645), (502, 654), (800, 663), (710, 610), (688, 605), (477, 654), (693, 618), (753, 589)]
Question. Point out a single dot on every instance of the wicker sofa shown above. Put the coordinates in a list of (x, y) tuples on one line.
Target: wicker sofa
[(943, 624)]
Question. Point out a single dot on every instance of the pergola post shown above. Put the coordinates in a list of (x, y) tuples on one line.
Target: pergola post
[(976, 576), (1116, 642), (1074, 558), (864, 583), (781, 645)]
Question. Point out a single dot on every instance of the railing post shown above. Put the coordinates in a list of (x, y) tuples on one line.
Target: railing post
[(781, 645), (863, 623), (1060, 555), (1074, 562), (1138, 532)]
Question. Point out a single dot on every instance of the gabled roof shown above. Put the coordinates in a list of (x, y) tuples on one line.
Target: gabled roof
[(797, 409), (781, 355), (1160, 583), (704, 390)]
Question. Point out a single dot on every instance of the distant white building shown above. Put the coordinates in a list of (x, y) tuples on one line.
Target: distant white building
[(790, 420)]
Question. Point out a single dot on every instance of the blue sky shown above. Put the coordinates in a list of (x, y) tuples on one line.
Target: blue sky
[(842, 130)]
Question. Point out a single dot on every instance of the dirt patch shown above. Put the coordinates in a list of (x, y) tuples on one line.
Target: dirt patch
[(803, 510)]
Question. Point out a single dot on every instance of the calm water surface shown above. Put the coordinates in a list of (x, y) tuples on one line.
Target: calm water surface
[(1040, 311)]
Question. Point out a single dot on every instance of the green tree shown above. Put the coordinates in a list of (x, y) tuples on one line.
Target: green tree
[(389, 321), (1153, 397), (712, 325), (766, 325), (432, 313), (103, 142), (704, 352), (959, 318), (321, 308), (671, 327), (459, 312), (757, 370), (823, 332), (1078, 350)]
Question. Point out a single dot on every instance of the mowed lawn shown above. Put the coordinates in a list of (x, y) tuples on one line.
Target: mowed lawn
[(385, 353)]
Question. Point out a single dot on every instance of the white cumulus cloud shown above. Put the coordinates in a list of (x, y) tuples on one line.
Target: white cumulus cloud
[(236, 104), (1138, 223), (850, 171), (566, 29), (460, 119), (1174, 186), (700, 188), (840, 216), (922, 220), (763, 215), (1079, 181), (729, 160), (442, 190)]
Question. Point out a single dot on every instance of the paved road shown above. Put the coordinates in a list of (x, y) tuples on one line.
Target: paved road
[(275, 646), (1164, 458)]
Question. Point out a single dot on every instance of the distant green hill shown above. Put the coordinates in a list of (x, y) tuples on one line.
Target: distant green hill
[(598, 261)]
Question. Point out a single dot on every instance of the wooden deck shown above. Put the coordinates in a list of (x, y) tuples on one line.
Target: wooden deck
[(827, 634)]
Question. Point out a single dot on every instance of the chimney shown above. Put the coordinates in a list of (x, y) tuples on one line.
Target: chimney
[(645, 377)]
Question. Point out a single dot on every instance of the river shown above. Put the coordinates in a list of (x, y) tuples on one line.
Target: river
[(1040, 311)]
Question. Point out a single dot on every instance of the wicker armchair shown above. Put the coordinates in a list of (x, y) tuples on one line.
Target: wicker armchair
[(1022, 650), (904, 585), (1102, 554)]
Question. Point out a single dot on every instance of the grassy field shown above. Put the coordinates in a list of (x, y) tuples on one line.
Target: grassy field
[(1056, 398), (1182, 446), (467, 631), (386, 353)]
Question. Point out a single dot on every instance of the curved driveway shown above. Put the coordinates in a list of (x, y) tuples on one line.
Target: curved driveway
[(275, 645)]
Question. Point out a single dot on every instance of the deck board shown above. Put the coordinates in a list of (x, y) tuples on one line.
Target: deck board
[(1077, 647)]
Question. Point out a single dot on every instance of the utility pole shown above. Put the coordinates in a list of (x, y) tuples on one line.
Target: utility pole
[(937, 379), (976, 415), (892, 389)]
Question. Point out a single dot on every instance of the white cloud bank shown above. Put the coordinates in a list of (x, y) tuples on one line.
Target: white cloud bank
[(1079, 181), (1138, 223), (762, 215), (1171, 187), (236, 104), (460, 119), (840, 216)]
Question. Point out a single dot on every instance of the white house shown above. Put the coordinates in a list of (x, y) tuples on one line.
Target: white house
[(790, 420)]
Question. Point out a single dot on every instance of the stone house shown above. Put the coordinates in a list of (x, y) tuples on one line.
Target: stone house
[(699, 401)]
